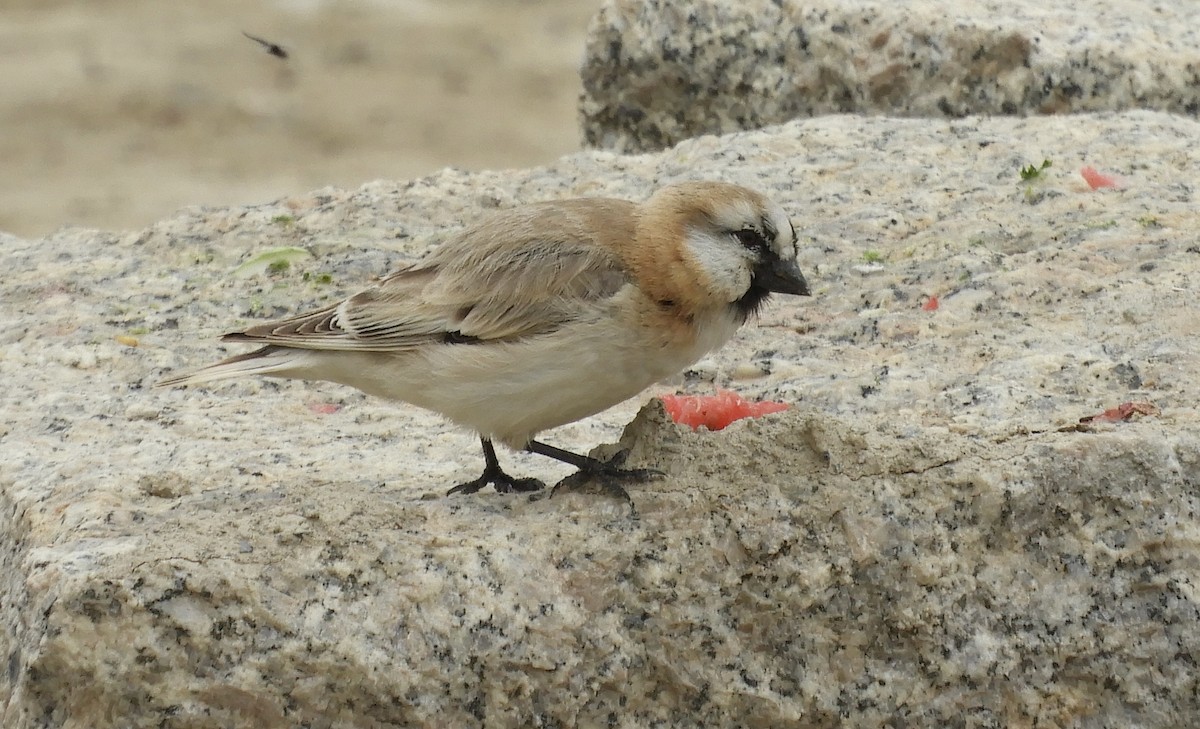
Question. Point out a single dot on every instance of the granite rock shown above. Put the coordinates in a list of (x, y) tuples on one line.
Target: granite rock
[(657, 72), (928, 537)]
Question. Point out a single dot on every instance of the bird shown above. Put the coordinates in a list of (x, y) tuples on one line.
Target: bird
[(542, 314), (273, 49)]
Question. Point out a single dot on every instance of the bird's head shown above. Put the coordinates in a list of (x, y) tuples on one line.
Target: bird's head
[(721, 244)]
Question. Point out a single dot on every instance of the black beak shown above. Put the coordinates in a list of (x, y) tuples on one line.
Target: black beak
[(781, 277)]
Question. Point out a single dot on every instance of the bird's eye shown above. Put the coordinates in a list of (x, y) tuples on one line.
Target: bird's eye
[(751, 238)]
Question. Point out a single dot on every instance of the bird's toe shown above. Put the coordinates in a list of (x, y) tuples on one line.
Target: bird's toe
[(502, 482), (510, 485), (469, 487), (608, 481)]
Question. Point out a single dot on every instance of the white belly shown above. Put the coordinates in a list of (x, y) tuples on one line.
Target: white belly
[(511, 391)]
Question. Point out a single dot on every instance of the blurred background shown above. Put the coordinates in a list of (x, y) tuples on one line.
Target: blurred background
[(115, 113)]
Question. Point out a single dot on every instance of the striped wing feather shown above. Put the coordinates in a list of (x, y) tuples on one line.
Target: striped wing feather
[(522, 272)]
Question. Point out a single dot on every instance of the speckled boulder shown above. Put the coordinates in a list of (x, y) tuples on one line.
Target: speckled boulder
[(658, 71), (928, 537)]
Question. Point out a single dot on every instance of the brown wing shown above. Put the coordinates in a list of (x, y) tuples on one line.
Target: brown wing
[(520, 273)]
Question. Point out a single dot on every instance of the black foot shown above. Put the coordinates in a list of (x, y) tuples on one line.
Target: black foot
[(504, 484), (607, 476), (492, 475), (610, 480)]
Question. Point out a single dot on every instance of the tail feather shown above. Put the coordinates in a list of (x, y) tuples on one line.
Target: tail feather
[(270, 360)]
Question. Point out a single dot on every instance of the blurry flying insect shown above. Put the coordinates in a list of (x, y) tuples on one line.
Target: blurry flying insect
[(273, 48)]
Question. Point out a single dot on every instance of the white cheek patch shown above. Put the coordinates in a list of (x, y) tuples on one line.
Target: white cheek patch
[(724, 262), (784, 243)]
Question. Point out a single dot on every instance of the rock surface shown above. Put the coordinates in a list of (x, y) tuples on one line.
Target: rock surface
[(929, 537), (657, 72)]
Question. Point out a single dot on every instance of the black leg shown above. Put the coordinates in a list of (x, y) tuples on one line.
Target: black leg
[(583, 463), (493, 475), (609, 476)]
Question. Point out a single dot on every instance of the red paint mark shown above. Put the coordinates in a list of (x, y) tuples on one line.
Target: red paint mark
[(1096, 179), (1124, 411), (716, 411)]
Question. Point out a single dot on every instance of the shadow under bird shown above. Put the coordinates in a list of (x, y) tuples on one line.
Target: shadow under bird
[(543, 314)]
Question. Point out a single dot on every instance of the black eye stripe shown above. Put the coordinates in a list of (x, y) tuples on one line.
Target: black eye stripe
[(750, 238)]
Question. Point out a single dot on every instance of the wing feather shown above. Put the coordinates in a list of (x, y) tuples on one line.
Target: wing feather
[(520, 273)]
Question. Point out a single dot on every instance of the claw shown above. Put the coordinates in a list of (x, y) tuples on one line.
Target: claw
[(609, 480), (504, 484), (494, 476)]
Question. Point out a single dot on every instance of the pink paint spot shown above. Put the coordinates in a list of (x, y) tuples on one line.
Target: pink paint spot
[(1096, 179)]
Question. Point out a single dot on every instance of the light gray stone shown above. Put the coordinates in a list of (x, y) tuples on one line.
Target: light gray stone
[(657, 72), (929, 537)]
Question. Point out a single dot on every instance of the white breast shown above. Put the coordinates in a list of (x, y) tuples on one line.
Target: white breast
[(511, 391)]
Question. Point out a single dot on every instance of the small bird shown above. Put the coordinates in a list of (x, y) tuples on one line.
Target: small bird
[(273, 49), (543, 314)]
